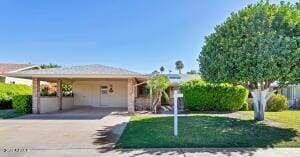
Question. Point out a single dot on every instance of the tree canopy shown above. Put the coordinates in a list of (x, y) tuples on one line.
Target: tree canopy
[(50, 65), (158, 83), (162, 69), (256, 46), (192, 72), (260, 43)]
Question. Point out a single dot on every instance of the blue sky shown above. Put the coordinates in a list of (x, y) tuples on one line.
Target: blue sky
[(140, 35)]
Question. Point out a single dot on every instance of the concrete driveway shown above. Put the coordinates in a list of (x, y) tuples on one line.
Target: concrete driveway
[(80, 128)]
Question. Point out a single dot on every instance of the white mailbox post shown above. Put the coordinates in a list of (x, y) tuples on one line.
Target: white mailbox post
[(176, 96)]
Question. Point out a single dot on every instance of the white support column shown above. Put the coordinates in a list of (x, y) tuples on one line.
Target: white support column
[(59, 93), (130, 95), (35, 95)]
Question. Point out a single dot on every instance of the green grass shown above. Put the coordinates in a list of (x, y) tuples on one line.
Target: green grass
[(287, 119), (6, 114), (206, 131)]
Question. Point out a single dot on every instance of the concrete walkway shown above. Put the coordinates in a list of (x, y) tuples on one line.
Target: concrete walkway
[(199, 152)]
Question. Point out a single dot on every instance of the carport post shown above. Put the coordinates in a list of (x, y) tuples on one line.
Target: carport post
[(35, 95), (130, 95), (59, 93)]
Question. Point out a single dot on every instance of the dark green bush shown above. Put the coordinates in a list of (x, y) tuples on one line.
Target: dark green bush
[(276, 103), (22, 103), (202, 96), (244, 107), (7, 91)]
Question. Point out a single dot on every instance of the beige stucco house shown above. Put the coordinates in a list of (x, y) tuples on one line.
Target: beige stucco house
[(94, 85), (11, 68)]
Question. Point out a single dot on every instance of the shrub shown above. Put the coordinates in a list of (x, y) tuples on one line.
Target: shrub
[(48, 89), (22, 103), (202, 96), (276, 103), (7, 91), (245, 107)]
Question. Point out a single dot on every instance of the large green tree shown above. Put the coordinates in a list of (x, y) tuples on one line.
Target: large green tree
[(256, 46)]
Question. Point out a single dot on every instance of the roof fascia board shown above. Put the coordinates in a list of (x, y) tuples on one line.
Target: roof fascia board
[(29, 67)]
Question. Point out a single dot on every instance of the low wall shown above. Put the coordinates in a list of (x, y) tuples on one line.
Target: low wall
[(67, 102), (50, 104), (142, 103)]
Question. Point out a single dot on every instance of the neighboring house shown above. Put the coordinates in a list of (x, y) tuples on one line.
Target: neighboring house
[(6, 68), (292, 92), (93, 85)]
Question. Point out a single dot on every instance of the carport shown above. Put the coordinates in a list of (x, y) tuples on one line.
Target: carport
[(93, 85)]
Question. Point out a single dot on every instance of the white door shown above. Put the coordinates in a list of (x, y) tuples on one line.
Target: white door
[(104, 96)]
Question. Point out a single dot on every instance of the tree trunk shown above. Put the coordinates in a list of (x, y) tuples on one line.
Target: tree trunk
[(155, 103), (260, 98)]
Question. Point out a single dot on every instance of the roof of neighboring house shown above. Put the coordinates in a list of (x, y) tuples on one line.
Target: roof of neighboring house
[(176, 79), (77, 71), (8, 67)]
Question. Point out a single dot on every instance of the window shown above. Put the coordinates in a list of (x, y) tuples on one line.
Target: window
[(143, 91), (104, 90)]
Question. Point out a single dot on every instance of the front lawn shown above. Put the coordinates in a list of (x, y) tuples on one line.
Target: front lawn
[(203, 130), (9, 113), (287, 119)]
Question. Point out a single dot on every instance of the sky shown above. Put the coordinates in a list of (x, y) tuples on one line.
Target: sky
[(138, 35)]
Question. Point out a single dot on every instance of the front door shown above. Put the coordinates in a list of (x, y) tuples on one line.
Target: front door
[(104, 96)]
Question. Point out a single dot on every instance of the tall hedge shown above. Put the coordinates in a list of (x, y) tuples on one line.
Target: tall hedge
[(22, 103), (203, 96), (7, 91)]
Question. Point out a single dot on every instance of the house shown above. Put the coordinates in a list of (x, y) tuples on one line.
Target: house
[(92, 85), (142, 101), (292, 92), (10, 68)]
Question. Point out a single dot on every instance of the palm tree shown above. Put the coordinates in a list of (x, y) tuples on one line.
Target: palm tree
[(179, 65), (162, 69)]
